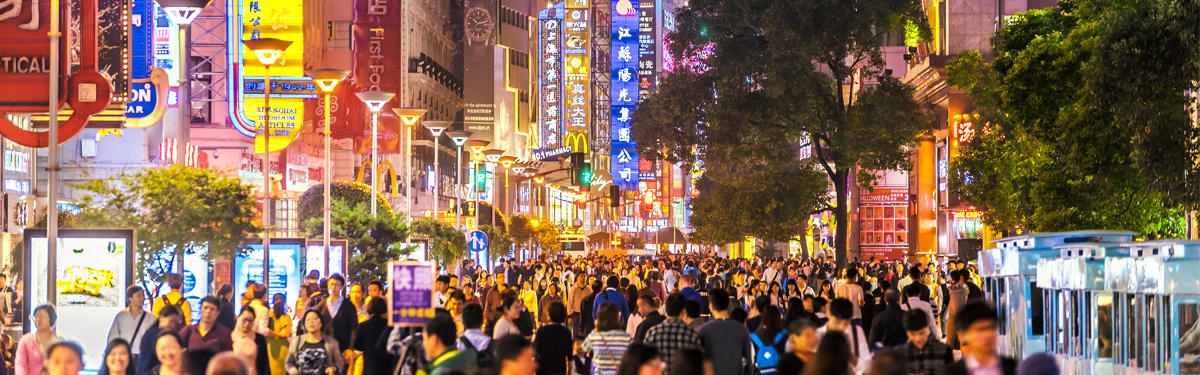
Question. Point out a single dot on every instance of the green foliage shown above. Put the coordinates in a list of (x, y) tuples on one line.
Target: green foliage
[(499, 242), (778, 75), (311, 203), (1050, 154), (373, 240), (177, 207), (772, 204), (446, 244)]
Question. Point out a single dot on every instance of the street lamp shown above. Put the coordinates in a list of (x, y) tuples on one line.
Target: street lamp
[(540, 180), (459, 137), (267, 50), (182, 13), (409, 116), (476, 146), (436, 128), (375, 101), (507, 161), (517, 168), (327, 79), (493, 156)]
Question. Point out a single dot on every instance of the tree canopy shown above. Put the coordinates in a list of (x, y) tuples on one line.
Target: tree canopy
[(373, 240), (754, 79), (1065, 113)]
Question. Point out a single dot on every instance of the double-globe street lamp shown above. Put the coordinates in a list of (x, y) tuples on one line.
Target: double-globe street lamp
[(507, 161), (327, 80), (492, 157), (375, 100), (515, 204), (476, 146), (409, 116), (459, 138), (267, 50), (436, 127)]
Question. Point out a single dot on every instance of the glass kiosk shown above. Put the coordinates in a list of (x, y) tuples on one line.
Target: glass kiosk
[(1010, 273), (1088, 335), (1169, 298)]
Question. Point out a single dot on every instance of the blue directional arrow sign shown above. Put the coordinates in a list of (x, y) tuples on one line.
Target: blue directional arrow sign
[(477, 241)]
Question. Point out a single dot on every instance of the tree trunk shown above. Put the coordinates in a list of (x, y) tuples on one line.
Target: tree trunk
[(840, 216)]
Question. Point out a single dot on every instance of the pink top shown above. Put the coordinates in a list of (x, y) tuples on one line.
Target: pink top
[(29, 355)]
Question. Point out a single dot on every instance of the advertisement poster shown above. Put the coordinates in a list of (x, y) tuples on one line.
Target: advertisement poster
[(280, 19), (195, 278), (93, 270), (315, 256), (647, 49), (285, 271), (412, 292), (883, 223), (550, 38), (577, 73), (378, 66)]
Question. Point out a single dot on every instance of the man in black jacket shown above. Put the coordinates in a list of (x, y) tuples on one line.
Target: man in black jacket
[(888, 328), (648, 308), (976, 325), (345, 316)]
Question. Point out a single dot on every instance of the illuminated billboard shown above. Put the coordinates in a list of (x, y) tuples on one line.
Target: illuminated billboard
[(285, 271), (624, 94), (280, 19), (550, 79), (315, 258), (93, 268), (577, 67)]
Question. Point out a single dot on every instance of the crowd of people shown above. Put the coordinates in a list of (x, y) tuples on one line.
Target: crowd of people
[(694, 314)]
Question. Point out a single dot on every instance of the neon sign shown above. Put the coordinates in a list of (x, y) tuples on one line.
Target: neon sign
[(550, 75), (281, 19)]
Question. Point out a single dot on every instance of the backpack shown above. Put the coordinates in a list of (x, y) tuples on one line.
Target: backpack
[(767, 357), (484, 359)]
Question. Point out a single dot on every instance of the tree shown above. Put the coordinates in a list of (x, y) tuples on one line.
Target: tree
[(1049, 154), (177, 208), (500, 244), (446, 244), (373, 240), (311, 203), (770, 204), (754, 78)]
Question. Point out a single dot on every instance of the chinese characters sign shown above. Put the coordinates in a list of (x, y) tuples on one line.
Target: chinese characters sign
[(647, 52), (412, 292), (280, 19), (550, 79), (577, 68), (624, 95)]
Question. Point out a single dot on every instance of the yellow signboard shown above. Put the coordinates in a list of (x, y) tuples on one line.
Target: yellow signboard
[(279, 19)]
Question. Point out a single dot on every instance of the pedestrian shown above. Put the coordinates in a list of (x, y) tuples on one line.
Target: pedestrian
[(641, 359), (608, 343), (769, 339), (206, 332), (1038, 364), (840, 311), (691, 361), (343, 313), (614, 296), (925, 354), (673, 334), (802, 338), (169, 349), (551, 296), (132, 323), (888, 328), (170, 319), (516, 355), (249, 343), (278, 335), (64, 358), (439, 344), (914, 302), (374, 360), (692, 317), (552, 342), (727, 341), (833, 356), (977, 330), (507, 325), (889, 362), (262, 313), (227, 318), (118, 358), (575, 297), (648, 309), (32, 345), (957, 297), (587, 318), (174, 298), (311, 351), (229, 363)]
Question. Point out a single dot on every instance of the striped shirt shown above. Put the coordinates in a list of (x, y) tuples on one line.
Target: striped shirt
[(607, 348)]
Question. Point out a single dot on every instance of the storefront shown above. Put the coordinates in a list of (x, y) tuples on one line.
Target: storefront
[(884, 215)]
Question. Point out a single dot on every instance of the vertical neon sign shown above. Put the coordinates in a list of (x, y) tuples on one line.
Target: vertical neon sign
[(624, 95), (550, 75)]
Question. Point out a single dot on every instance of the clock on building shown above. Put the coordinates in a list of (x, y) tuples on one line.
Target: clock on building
[(479, 24)]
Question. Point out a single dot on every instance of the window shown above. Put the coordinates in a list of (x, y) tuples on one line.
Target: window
[(1037, 307)]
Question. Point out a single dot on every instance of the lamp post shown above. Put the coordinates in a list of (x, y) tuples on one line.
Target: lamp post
[(459, 137), (375, 101), (476, 146), (492, 157), (327, 79), (516, 168), (507, 162), (409, 117), (436, 128), (182, 13), (268, 50), (541, 180)]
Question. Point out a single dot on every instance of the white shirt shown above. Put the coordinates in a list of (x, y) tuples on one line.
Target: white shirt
[(974, 368), (854, 293), (335, 306), (262, 317), (918, 304), (439, 300), (125, 324)]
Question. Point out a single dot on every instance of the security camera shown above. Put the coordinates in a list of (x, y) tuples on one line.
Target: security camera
[(216, 154)]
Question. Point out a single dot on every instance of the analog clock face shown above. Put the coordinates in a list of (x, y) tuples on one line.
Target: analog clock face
[(479, 24)]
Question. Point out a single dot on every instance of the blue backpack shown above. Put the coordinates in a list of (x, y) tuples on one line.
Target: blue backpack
[(767, 357)]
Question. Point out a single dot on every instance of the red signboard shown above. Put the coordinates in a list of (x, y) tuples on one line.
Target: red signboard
[(378, 66), (884, 196), (25, 69)]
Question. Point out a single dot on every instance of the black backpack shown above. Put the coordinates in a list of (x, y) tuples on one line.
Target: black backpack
[(484, 359)]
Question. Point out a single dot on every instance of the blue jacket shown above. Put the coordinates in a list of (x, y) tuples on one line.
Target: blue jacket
[(693, 295), (611, 295)]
